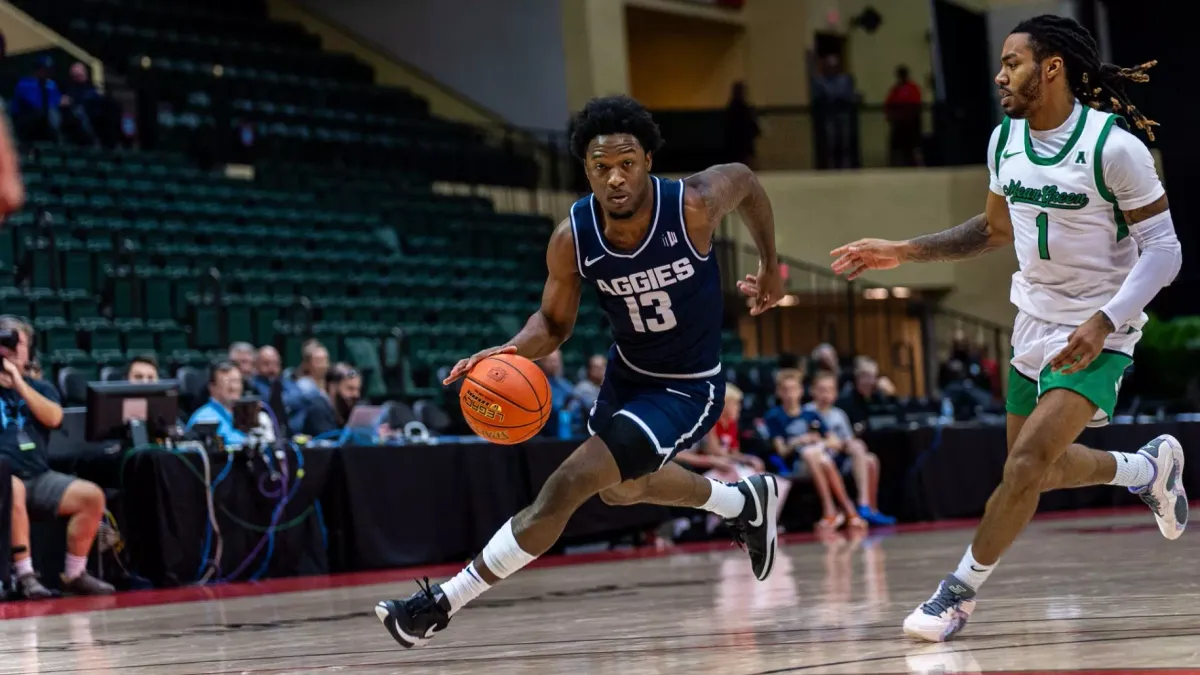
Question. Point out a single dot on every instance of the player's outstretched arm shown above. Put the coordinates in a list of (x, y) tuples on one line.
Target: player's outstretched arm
[(985, 232), (718, 191), (552, 323)]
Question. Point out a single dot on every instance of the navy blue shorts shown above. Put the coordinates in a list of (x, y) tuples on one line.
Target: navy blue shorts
[(673, 415)]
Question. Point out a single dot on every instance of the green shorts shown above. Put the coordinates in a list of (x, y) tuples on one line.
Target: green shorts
[(1037, 342)]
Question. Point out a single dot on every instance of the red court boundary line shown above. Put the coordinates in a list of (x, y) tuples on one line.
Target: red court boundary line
[(27, 609), (1114, 671)]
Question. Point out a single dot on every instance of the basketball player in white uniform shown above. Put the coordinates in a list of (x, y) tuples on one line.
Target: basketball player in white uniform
[(1079, 198)]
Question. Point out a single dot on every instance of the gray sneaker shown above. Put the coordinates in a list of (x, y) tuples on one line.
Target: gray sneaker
[(1165, 494), (31, 587), (86, 584)]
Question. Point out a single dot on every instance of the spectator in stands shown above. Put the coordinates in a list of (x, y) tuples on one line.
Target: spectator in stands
[(95, 112), (741, 128), (824, 357), (718, 455), (560, 387), (36, 103), (224, 389), (143, 368), (834, 100), (903, 110), (720, 450), (330, 412), (561, 390), (799, 436), (864, 395), (314, 364), (242, 355), (283, 395), (29, 409), (842, 441), (588, 389)]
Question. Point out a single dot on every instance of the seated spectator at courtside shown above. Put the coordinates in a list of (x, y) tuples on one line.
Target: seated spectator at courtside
[(314, 364), (282, 394), (343, 388), (719, 454), (799, 435), (560, 387), (842, 442), (29, 410), (242, 355), (587, 390), (824, 357), (561, 390), (224, 389), (143, 369), (864, 394)]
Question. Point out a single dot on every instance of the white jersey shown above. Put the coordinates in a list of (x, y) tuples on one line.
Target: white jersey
[(1066, 189)]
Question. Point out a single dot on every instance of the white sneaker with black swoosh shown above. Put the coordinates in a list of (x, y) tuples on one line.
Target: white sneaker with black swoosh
[(755, 528)]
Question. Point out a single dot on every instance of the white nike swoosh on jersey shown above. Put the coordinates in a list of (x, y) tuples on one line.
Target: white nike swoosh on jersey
[(592, 261)]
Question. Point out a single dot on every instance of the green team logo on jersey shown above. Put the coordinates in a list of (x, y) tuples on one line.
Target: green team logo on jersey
[(1047, 197)]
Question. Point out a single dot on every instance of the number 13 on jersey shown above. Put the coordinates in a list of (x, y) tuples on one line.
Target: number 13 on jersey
[(664, 318)]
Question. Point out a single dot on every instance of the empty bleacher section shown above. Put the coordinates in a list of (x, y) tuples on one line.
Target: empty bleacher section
[(205, 76)]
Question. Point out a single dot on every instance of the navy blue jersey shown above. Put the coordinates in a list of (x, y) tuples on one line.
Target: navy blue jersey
[(663, 299)]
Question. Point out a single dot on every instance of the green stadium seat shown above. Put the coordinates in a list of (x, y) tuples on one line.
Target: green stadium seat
[(135, 336), (75, 358), (55, 336), (80, 304), (206, 325), (239, 319)]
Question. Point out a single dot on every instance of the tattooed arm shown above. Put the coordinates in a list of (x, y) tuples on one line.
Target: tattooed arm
[(985, 232), (718, 191)]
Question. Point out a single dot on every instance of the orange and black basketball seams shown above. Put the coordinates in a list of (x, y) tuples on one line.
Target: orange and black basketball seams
[(506, 399)]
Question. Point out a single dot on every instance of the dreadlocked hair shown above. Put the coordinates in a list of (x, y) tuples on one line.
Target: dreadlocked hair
[(1093, 82)]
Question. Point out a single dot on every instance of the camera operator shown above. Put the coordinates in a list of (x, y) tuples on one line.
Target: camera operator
[(29, 410)]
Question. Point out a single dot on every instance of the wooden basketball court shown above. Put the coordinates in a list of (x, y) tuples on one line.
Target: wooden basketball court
[(1102, 593)]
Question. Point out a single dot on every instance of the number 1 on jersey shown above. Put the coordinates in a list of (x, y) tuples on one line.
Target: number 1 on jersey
[(1043, 225)]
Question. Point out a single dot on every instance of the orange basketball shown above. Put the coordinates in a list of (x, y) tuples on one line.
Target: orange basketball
[(506, 399)]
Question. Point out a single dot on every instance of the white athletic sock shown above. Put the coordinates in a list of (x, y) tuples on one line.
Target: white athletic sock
[(725, 500), (1133, 470), (971, 572), (464, 588), (23, 566), (74, 566)]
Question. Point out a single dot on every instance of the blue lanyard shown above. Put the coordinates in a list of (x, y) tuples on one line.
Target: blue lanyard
[(4, 413)]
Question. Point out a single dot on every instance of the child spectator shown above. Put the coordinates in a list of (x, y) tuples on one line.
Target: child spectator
[(842, 443), (800, 435)]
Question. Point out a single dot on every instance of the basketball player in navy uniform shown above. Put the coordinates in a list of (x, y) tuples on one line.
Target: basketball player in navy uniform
[(645, 244)]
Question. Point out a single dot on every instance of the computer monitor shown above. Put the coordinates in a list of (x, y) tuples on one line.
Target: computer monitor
[(134, 411)]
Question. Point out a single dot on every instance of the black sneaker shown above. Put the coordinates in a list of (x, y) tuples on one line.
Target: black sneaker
[(755, 529), (413, 622)]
